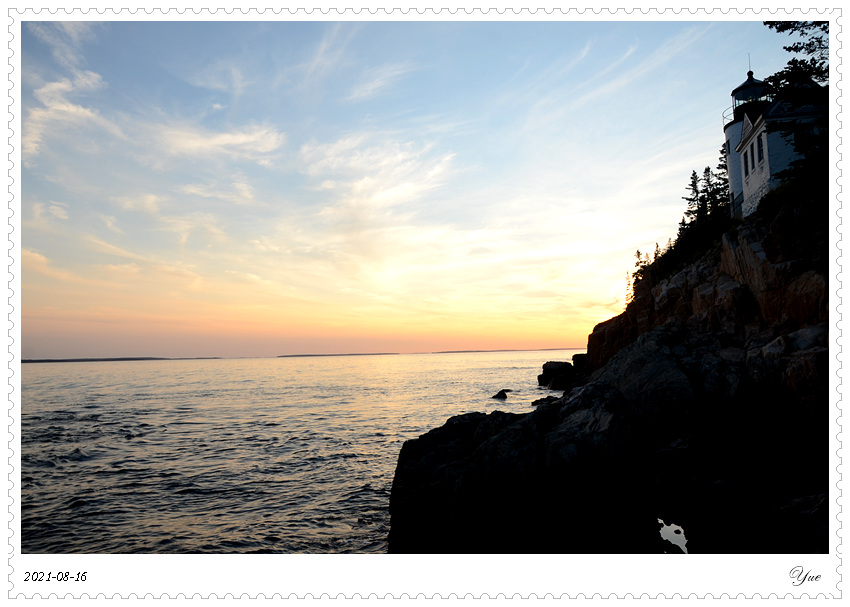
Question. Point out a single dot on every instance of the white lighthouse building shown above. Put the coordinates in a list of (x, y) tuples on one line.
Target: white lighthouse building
[(756, 147), (749, 100)]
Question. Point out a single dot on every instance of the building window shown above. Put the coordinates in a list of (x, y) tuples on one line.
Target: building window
[(746, 164), (752, 157), (760, 142)]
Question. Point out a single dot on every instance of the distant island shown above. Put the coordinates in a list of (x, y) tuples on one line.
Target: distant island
[(118, 359), (507, 350), (439, 352), (143, 358), (350, 354)]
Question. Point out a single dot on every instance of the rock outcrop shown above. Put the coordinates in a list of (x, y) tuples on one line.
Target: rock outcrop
[(559, 375), (704, 404)]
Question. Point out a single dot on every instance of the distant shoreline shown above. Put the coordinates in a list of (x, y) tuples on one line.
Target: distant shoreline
[(508, 350), (117, 359), (350, 354), (146, 358)]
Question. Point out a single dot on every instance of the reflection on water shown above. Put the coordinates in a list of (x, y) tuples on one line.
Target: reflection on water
[(246, 455)]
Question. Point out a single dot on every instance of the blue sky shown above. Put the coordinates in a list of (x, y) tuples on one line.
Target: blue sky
[(264, 188)]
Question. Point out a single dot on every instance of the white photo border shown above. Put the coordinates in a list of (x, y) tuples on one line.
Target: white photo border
[(430, 576)]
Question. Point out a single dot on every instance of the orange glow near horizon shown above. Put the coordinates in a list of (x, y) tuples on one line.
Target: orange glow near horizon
[(151, 311), (272, 333)]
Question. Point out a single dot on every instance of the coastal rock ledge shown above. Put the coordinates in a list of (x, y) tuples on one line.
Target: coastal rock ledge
[(705, 405)]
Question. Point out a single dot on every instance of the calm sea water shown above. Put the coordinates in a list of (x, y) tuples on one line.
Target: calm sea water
[(243, 455)]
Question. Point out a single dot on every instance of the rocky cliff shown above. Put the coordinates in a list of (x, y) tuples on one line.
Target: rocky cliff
[(703, 405)]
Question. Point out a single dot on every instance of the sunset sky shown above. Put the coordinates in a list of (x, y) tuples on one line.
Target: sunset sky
[(266, 188)]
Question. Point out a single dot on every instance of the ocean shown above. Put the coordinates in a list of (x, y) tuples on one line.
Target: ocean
[(266, 455)]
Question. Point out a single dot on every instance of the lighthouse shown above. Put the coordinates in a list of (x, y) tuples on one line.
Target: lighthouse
[(763, 134), (749, 100)]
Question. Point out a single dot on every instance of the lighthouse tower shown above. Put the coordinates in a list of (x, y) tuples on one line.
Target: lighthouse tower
[(749, 100)]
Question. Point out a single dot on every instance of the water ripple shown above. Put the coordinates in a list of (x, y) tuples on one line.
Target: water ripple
[(237, 455)]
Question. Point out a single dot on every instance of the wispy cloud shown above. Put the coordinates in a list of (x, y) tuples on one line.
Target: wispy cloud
[(266, 244), (65, 39), (376, 81), (252, 143), (330, 51), (34, 262), (124, 269), (149, 203), (185, 226), (363, 155), (146, 264), (59, 210), (110, 249), (222, 75), (660, 57), (58, 114), (41, 219), (111, 223), (369, 184), (238, 191)]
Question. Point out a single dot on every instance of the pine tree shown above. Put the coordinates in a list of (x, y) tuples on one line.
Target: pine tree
[(707, 194), (715, 192), (795, 84), (721, 178), (693, 199), (815, 46), (683, 227)]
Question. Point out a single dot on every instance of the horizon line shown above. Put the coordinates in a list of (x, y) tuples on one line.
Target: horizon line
[(170, 358)]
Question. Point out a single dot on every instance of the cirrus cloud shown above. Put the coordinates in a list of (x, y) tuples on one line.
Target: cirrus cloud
[(59, 115), (254, 143)]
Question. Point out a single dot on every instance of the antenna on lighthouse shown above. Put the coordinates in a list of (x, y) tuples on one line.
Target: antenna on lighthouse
[(749, 65)]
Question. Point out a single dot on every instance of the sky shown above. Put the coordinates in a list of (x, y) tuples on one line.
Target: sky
[(266, 188)]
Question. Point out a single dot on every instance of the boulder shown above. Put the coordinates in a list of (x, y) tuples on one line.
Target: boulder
[(557, 375)]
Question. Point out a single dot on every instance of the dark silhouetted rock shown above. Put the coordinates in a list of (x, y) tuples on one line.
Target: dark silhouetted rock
[(704, 404), (580, 362), (546, 400), (558, 376), (502, 394)]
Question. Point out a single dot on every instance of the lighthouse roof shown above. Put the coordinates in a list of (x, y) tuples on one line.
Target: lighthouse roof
[(749, 89)]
